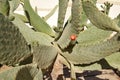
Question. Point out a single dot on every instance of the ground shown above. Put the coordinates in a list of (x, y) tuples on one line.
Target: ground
[(61, 72)]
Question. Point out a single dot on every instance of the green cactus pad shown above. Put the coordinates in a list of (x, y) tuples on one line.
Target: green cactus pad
[(82, 54), (74, 25), (98, 18), (93, 35), (62, 11), (13, 46), (13, 5), (44, 55), (27, 72), (4, 7), (36, 21)]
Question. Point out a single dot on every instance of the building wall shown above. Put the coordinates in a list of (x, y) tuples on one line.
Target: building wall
[(44, 7)]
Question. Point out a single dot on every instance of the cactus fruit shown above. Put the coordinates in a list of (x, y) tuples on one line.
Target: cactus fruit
[(73, 37)]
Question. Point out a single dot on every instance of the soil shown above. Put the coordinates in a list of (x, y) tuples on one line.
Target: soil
[(61, 72), (4, 67)]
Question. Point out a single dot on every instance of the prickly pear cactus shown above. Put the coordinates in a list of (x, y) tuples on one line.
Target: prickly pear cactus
[(98, 18), (4, 7), (13, 46), (80, 49), (25, 72)]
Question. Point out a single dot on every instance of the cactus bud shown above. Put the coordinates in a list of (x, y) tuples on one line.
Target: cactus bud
[(73, 37)]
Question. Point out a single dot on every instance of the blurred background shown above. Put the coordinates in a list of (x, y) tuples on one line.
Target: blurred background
[(45, 6)]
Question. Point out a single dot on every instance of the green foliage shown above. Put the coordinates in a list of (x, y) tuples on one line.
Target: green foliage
[(93, 48), (62, 11), (22, 17), (93, 35), (113, 60), (64, 40), (44, 55), (51, 13), (13, 46), (74, 25), (117, 20), (96, 52), (40, 43), (35, 20), (13, 5), (61, 17), (27, 72), (4, 7), (98, 18), (106, 7)]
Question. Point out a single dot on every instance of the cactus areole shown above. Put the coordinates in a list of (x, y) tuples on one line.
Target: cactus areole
[(73, 37)]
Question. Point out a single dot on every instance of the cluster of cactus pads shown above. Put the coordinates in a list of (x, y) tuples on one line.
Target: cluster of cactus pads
[(30, 51)]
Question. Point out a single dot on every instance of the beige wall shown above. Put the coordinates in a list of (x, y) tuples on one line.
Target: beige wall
[(44, 6), (112, 1)]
